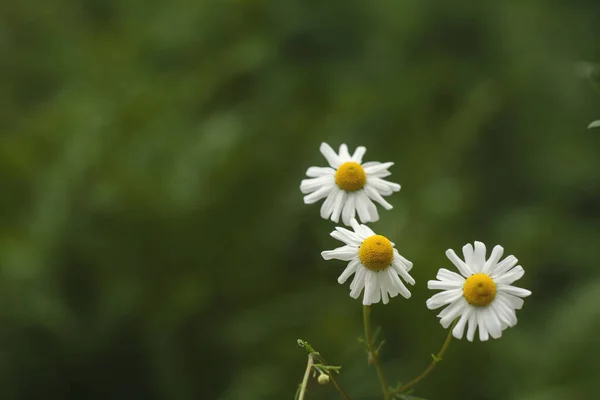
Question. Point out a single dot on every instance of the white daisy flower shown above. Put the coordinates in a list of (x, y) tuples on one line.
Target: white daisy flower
[(483, 296), (348, 186), (376, 264)]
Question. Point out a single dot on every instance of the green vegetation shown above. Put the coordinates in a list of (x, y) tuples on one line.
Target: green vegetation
[(153, 239)]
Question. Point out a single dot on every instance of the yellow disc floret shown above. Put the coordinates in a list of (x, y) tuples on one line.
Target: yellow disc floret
[(479, 290), (350, 176), (376, 253)]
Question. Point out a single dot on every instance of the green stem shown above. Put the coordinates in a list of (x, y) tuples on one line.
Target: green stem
[(304, 384), (338, 387), (436, 359), (374, 354), (309, 365)]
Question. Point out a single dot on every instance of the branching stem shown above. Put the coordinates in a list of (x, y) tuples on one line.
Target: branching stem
[(312, 357), (304, 384), (374, 353), (436, 359)]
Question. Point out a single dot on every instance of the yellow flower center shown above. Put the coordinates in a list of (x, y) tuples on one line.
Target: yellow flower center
[(376, 253), (479, 290), (350, 176)]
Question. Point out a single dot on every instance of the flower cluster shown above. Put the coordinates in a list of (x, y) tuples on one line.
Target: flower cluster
[(480, 297)]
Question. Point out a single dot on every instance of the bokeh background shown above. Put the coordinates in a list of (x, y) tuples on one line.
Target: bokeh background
[(153, 239)]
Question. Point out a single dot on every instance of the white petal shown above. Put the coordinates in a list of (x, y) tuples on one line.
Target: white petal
[(372, 209), (327, 206), (382, 174), (407, 264), (315, 172), (515, 291), (384, 187), (490, 264), (377, 167), (514, 302), (349, 210), (386, 283), (362, 206), (310, 185), (472, 324), (478, 257), (450, 276), (318, 195), (358, 283), (356, 226), (594, 124), (344, 154), (372, 293), (443, 285), (332, 158), (459, 329), (376, 297), (350, 269), (393, 186), (400, 270), (370, 164), (483, 332), (503, 266), (447, 275), (358, 154), (374, 195), (346, 236), (368, 232), (506, 314), (442, 298), (363, 231), (492, 323), (460, 264), (338, 204), (513, 275), (469, 258), (384, 293), (397, 283), (344, 253), (450, 313)]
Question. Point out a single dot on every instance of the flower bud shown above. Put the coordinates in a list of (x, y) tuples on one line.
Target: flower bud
[(323, 379)]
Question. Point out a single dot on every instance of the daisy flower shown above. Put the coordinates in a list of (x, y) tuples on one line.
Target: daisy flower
[(482, 295), (348, 186), (376, 264)]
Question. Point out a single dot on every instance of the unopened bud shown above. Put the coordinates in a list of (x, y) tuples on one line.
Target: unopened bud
[(323, 379)]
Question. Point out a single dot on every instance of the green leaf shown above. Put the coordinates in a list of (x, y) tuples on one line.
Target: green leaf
[(376, 334), (323, 368), (305, 345)]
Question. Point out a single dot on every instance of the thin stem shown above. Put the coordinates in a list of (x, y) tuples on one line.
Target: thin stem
[(436, 359), (309, 365), (335, 383), (374, 354), (304, 384)]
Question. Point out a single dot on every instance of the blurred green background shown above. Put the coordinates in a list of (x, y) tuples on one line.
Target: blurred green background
[(153, 239)]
